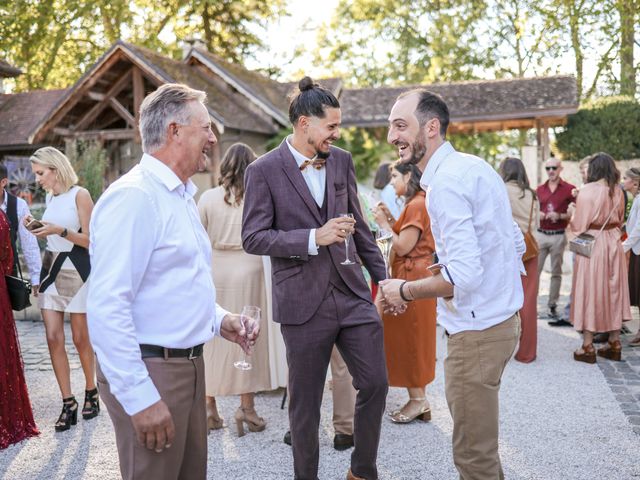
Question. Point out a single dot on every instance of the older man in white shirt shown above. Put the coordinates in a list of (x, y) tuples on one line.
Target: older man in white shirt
[(478, 278), (152, 302)]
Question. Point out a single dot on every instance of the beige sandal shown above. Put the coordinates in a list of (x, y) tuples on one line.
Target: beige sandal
[(423, 414)]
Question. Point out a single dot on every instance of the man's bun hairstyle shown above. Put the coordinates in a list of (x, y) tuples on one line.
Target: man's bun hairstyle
[(310, 100)]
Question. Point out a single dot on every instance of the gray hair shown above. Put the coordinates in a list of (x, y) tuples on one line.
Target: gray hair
[(166, 105)]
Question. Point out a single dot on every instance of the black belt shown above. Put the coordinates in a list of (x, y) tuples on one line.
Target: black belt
[(551, 232), (148, 351)]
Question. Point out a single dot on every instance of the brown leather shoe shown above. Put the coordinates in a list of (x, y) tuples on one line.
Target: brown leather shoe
[(351, 476), (612, 351), (588, 354)]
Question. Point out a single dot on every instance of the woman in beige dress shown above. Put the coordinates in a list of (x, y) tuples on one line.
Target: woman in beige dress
[(600, 290), (239, 281)]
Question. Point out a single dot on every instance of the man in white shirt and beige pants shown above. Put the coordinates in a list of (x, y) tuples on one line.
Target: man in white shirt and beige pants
[(479, 248), (152, 302)]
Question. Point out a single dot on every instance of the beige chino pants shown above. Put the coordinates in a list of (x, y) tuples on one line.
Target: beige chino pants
[(343, 393), (181, 385), (473, 371), (552, 245)]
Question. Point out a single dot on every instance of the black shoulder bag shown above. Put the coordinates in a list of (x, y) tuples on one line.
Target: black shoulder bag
[(19, 289)]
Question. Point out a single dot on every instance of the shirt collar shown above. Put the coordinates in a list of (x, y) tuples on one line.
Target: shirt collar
[(167, 176), (299, 158), (434, 163), (4, 199)]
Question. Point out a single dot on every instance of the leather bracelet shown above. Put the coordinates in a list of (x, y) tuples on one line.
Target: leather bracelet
[(402, 292)]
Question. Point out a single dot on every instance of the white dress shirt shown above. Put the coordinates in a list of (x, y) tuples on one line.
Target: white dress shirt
[(476, 240), (633, 228), (151, 277), (316, 180), (28, 241)]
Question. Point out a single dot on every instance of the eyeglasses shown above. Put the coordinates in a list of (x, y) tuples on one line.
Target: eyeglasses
[(550, 168)]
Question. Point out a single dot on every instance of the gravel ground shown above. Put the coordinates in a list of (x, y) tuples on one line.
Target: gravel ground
[(559, 420)]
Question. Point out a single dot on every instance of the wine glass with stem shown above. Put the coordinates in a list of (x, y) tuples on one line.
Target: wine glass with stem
[(346, 242), (384, 239), (250, 318)]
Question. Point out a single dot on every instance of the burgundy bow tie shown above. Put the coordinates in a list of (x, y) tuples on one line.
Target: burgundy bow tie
[(315, 162)]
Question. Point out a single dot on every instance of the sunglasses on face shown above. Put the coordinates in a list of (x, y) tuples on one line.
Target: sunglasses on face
[(550, 168)]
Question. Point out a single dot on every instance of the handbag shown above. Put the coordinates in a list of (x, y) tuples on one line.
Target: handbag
[(530, 241), (583, 243), (19, 289)]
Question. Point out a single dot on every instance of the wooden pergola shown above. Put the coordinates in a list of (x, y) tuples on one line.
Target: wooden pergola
[(244, 105)]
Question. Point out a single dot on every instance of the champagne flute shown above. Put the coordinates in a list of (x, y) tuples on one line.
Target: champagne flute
[(250, 318), (384, 239), (346, 242)]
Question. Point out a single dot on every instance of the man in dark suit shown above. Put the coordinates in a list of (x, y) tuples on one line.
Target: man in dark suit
[(293, 198)]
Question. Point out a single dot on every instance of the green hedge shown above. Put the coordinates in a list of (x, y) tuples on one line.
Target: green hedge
[(607, 124)]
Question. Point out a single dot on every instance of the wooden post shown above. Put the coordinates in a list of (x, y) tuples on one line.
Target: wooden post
[(543, 145), (138, 96), (538, 153)]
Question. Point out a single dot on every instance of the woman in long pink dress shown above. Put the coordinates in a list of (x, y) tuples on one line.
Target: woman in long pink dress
[(600, 290), (16, 417)]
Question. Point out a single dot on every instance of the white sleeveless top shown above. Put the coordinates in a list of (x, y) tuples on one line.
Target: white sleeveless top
[(62, 210)]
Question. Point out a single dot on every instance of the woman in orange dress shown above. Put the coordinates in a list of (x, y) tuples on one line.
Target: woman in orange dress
[(410, 337), (600, 290)]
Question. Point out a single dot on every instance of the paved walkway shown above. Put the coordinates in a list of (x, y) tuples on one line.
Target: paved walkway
[(560, 420)]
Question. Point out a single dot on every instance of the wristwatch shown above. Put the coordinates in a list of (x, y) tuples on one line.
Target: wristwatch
[(64, 233)]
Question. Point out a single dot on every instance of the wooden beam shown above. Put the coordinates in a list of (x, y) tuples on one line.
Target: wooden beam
[(98, 97), (138, 96), (113, 134), (122, 111), (138, 91), (71, 100), (92, 114)]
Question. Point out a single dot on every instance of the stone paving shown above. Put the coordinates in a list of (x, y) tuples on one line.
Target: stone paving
[(589, 433)]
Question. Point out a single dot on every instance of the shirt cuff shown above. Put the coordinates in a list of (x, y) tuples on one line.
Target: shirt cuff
[(312, 248), (137, 399), (217, 322)]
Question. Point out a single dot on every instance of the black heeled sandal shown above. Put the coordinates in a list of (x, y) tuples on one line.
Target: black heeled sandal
[(69, 415), (91, 404)]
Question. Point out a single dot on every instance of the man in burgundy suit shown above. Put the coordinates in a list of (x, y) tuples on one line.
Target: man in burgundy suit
[(293, 196)]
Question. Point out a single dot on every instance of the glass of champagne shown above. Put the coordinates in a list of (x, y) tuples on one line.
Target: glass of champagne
[(346, 242), (384, 239), (250, 318)]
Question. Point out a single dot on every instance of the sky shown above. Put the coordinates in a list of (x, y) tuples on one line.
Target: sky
[(297, 29)]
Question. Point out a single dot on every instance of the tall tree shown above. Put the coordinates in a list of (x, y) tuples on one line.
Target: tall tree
[(376, 42), (54, 41), (628, 12)]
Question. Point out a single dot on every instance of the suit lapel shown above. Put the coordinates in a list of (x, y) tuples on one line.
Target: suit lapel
[(291, 170), (331, 167)]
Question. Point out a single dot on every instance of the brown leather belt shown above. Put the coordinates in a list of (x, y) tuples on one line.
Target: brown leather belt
[(607, 227)]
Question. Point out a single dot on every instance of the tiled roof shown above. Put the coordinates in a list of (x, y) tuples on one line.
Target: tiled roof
[(20, 113), (275, 94), (7, 70), (469, 101), (236, 110)]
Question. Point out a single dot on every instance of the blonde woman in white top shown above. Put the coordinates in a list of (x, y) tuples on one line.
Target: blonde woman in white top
[(65, 269)]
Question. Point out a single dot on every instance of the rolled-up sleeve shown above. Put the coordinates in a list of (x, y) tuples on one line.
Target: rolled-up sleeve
[(123, 221), (464, 266)]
